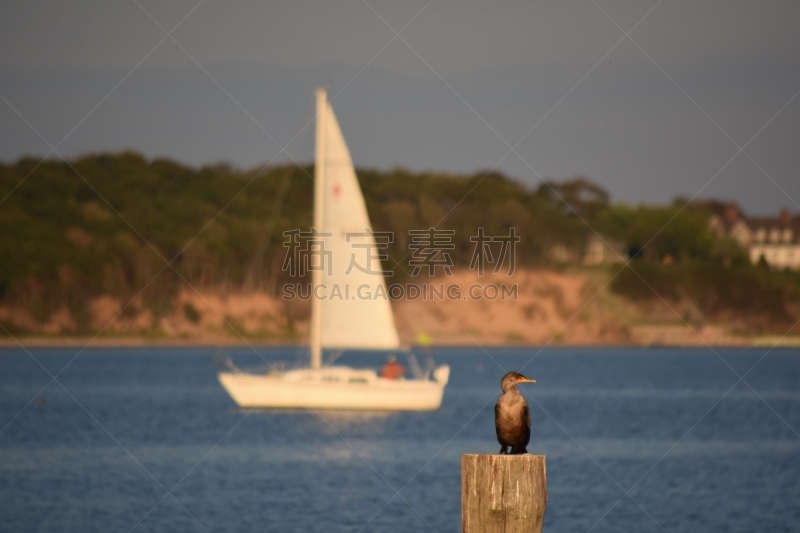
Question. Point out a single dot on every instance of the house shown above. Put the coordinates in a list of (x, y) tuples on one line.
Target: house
[(600, 251), (775, 240)]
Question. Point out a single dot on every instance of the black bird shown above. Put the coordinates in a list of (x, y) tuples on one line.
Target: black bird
[(512, 418)]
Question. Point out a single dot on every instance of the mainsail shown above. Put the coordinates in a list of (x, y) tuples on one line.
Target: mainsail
[(351, 307)]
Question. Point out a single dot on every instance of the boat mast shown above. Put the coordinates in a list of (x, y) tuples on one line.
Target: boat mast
[(319, 192)]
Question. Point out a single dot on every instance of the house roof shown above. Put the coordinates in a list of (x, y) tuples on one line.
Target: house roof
[(730, 220), (769, 223), (779, 223)]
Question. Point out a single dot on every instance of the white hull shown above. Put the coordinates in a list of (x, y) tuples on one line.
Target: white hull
[(335, 387)]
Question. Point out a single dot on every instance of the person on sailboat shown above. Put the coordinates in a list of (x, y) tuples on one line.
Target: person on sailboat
[(392, 369)]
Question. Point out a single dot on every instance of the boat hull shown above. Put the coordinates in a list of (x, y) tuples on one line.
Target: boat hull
[(339, 388)]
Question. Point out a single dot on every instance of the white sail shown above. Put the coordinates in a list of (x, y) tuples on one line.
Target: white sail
[(354, 311)]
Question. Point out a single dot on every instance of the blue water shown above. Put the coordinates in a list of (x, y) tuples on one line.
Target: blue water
[(636, 441)]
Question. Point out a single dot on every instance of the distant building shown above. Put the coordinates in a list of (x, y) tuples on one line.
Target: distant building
[(560, 253), (601, 250), (776, 240)]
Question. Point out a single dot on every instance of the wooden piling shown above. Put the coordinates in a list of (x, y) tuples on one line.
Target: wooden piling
[(503, 493)]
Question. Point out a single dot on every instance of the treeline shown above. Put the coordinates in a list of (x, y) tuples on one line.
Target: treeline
[(124, 226)]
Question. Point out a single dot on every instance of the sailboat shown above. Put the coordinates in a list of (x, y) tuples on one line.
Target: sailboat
[(362, 319)]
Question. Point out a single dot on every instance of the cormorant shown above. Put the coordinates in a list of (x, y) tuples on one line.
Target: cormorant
[(512, 419)]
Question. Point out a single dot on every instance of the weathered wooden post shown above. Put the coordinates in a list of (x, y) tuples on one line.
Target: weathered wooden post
[(503, 493)]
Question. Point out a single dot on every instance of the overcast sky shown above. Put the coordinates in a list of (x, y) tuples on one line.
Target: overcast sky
[(651, 100)]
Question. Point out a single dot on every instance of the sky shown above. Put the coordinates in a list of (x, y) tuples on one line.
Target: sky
[(652, 100)]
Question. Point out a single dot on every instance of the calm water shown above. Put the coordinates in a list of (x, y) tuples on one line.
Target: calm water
[(636, 441)]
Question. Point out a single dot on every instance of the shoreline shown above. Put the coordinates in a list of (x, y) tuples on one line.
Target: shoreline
[(145, 342), (549, 308), (132, 342)]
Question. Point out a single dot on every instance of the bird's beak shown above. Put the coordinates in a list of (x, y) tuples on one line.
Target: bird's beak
[(526, 380)]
